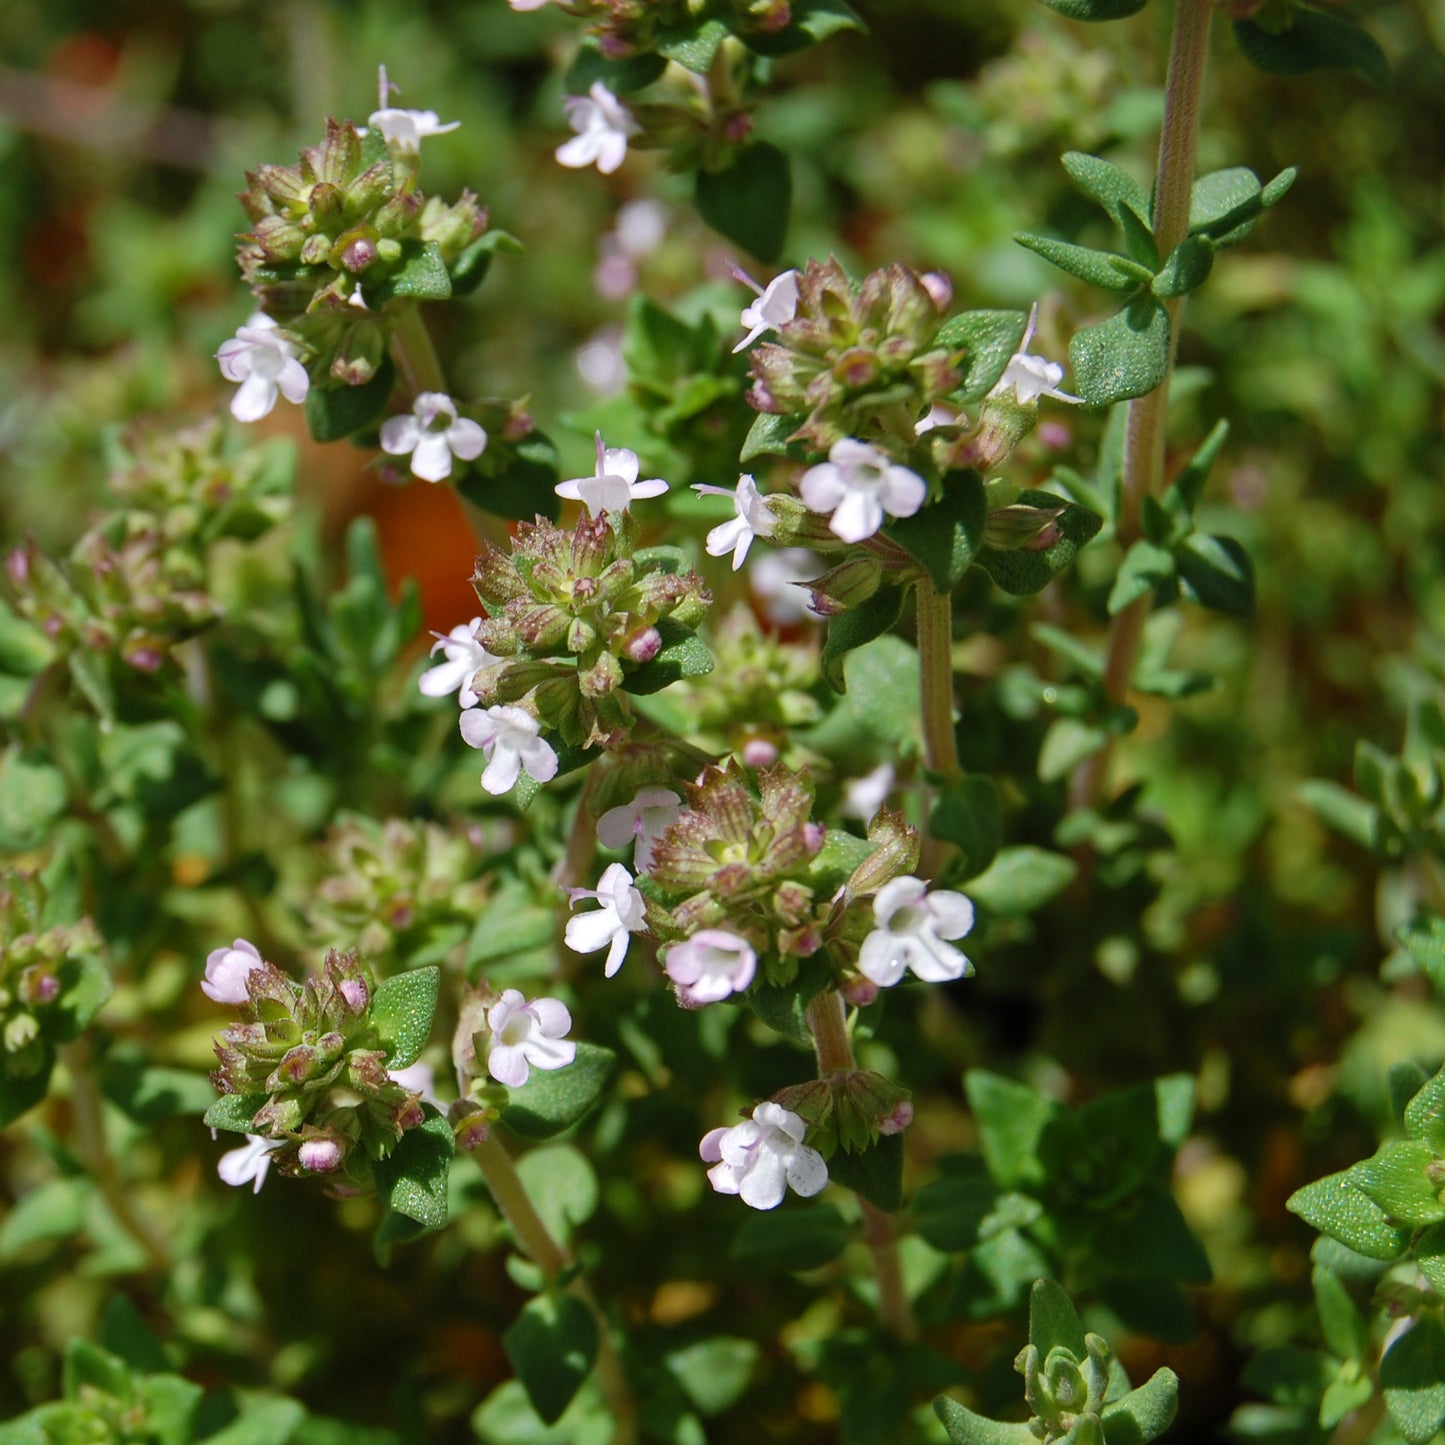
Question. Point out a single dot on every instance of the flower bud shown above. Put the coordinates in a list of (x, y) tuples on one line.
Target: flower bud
[(845, 586), (1022, 528), (321, 1154)]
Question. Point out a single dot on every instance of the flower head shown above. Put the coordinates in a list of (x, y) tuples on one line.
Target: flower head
[(526, 1036), (1030, 377), (646, 818), (432, 435), (603, 125), (912, 926), (622, 914), (753, 519), (709, 966), (226, 970), (248, 1163), (614, 485), (265, 363), (464, 655), (776, 305), (510, 740), (762, 1157), (858, 484)]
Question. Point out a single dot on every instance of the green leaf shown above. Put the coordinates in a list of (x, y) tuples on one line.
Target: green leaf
[(1011, 1119), (714, 1373), (412, 1179), (682, 654), (148, 1092), (1106, 183), (1148, 1235), (402, 1012), (554, 1099), (1216, 572), (85, 985), (1226, 205), (1107, 269), (968, 812), (945, 536), (1344, 1330), (88, 1365), (880, 706), (1021, 879), (987, 340), (515, 480), (1054, 1323), (1348, 815), (562, 1185), (169, 1404), (1397, 1178), (421, 276), (269, 1420), (1069, 742), (748, 202), (811, 21), (798, 1237), (33, 796), (876, 1173), (18, 1095), (768, 437), (1021, 572), (949, 1213), (334, 412), (620, 76), (1143, 571), (1425, 1114), (852, 629), (468, 269), (1184, 491), (1314, 40), (1145, 1413), (1412, 1378), (966, 1428), (552, 1345), (1424, 939), (234, 1112), (692, 45), (53, 1210), (1123, 357), (1186, 269), (1096, 10), (1337, 1206), (506, 1417), (1430, 1256)]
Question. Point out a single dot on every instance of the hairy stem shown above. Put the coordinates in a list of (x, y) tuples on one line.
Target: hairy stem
[(828, 1024), (1144, 436), (935, 688), (552, 1258), (416, 357)]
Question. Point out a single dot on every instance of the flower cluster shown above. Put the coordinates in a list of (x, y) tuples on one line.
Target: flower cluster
[(571, 617), (313, 1052)]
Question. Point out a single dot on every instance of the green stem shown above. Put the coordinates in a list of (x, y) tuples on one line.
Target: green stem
[(1144, 436), (935, 658), (416, 357), (89, 1121), (577, 857), (828, 1023), (531, 1232)]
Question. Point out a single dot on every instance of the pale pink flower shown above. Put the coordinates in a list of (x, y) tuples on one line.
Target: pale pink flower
[(603, 125), (912, 926), (464, 655), (613, 487), (226, 970), (510, 740), (645, 819), (762, 1158), (622, 913), (857, 485), (526, 1036), (776, 305), (249, 1163), (265, 363), (710, 966)]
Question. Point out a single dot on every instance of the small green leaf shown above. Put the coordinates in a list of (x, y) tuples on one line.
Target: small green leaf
[(33, 796), (876, 1173), (682, 654), (1096, 10), (811, 21), (1348, 814), (852, 629), (1423, 939), (554, 1099), (1216, 572), (1186, 269), (1184, 491), (1397, 1178), (987, 341), (1425, 1114), (1412, 1378), (552, 1345), (714, 1373), (1314, 40), (1337, 1206), (151, 1092), (1011, 1119), (945, 536), (1021, 879), (468, 269), (966, 1428), (88, 1365), (950, 1211), (1106, 183), (18, 1095), (168, 1403), (1069, 742), (749, 200), (1145, 1413), (1143, 571), (1430, 1256), (799, 1236), (514, 480), (1343, 1327), (1123, 357), (412, 1179), (562, 1186), (334, 412), (620, 76), (421, 276), (968, 812), (402, 1012), (693, 44), (768, 437), (1107, 269), (53, 1210), (268, 1420), (234, 1112), (1021, 572), (1054, 1323)]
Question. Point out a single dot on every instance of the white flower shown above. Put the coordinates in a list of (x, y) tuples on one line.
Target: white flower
[(775, 306), (858, 484), (862, 797), (464, 655), (776, 580), (912, 924), (760, 1158), (622, 914), (526, 1036), (403, 130), (646, 818), (250, 1162), (603, 125), (226, 970), (711, 965), (523, 5), (937, 415), (432, 435), (510, 740), (1031, 377), (754, 519), (264, 362), (614, 485)]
